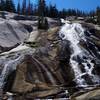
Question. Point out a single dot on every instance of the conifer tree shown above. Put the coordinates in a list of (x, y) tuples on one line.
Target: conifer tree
[(9, 5), (30, 8), (42, 21), (98, 15), (41, 7), (52, 11), (18, 7), (24, 7), (2, 5)]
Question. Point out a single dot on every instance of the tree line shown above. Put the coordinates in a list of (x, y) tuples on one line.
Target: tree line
[(7, 5), (26, 7)]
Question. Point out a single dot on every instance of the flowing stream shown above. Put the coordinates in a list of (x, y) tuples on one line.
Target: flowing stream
[(74, 33)]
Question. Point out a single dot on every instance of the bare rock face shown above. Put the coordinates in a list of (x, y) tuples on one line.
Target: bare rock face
[(14, 28), (47, 73), (37, 78), (43, 74), (12, 33)]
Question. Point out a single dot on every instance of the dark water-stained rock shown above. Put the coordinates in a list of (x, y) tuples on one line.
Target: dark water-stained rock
[(37, 77), (47, 73), (44, 74), (64, 59), (64, 51), (96, 69)]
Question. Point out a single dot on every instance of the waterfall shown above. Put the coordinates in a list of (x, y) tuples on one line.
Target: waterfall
[(74, 33), (10, 63), (9, 66)]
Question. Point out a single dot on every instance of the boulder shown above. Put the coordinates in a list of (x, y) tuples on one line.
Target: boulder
[(12, 33)]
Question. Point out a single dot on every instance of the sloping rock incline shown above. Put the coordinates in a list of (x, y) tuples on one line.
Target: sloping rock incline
[(11, 34)]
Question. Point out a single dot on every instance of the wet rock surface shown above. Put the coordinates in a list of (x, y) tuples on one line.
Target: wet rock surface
[(46, 72), (42, 74)]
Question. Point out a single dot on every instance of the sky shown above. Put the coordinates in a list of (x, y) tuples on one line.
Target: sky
[(84, 5)]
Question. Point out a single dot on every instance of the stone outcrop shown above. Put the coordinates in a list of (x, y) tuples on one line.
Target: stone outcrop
[(93, 94), (43, 74), (47, 72), (12, 33)]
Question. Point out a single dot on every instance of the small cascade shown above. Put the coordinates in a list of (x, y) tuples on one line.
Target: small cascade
[(11, 59), (9, 66), (74, 33)]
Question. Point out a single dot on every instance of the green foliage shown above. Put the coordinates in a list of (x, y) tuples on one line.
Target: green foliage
[(9, 6), (43, 23), (98, 15), (18, 8), (41, 8), (2, 5), (24, 7), (29, 8), (91, 20), (53, 12)]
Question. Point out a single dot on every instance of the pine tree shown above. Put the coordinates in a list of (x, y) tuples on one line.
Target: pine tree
[(24, 7), (47, 11), (42, 21), (35, 11), (2, 5), (9, 5), (53, 12), (18, 7), (98, 15), (30, 8), (63, 13), (41, 7)]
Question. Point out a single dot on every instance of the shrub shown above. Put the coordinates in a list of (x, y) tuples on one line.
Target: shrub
[(43, 23)]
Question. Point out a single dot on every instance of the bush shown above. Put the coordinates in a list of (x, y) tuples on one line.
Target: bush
[(91, 20), (43, 23)]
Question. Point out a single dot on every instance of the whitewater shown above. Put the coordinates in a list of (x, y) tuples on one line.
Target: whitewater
[(74, 33)]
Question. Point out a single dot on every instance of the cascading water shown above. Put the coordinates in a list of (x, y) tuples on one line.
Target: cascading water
[(9, 66), (75, 33), (11, 59)]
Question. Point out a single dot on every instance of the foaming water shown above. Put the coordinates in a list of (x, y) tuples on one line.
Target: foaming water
[(74, 33), (9, 67)]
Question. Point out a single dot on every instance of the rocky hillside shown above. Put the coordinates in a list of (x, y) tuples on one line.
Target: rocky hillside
[(59, 63), (15, 29)]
